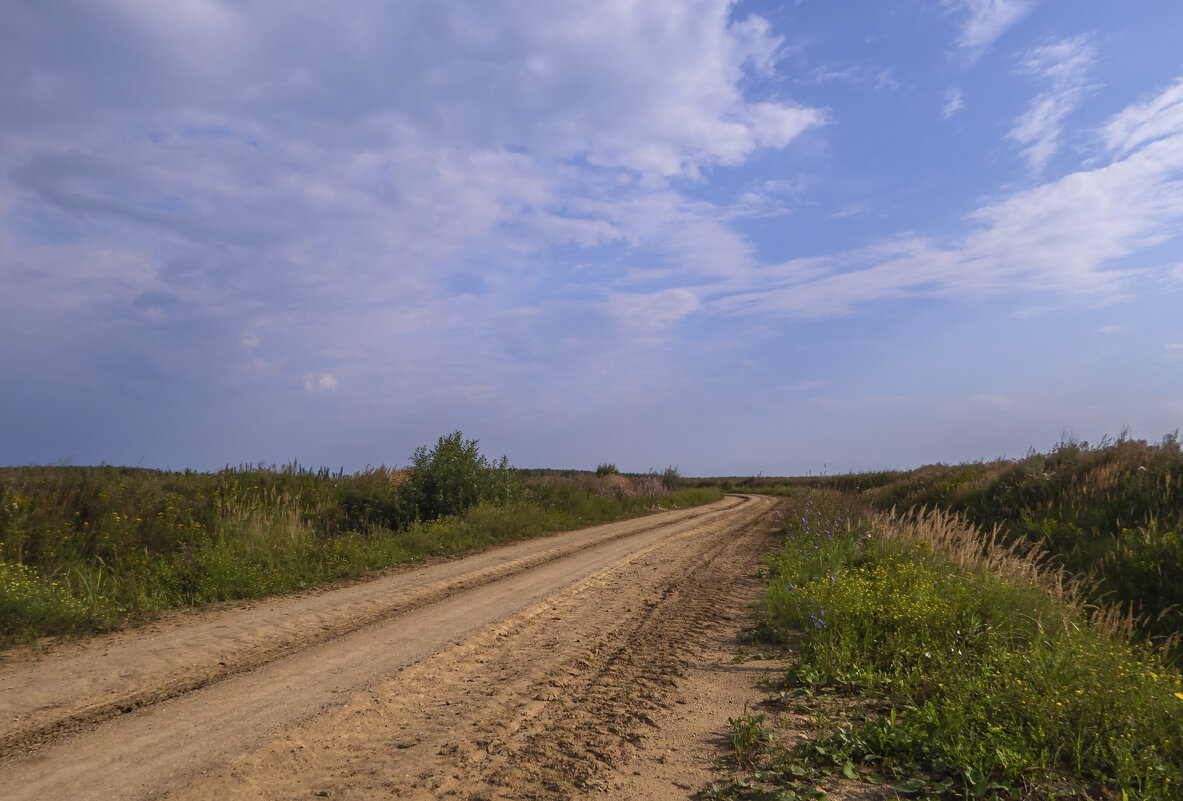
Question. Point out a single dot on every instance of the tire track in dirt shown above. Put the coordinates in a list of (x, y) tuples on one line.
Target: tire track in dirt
[(486, 672), (46, 693), (552, 704)]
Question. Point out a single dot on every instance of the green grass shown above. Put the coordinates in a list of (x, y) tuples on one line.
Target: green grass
[(1111, 514), (87, 549), (955, 667)]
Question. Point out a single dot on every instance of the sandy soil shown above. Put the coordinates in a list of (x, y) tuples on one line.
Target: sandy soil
[(592, 662)]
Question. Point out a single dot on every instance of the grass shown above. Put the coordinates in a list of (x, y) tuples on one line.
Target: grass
[(953, 665), (1110, 514), (87, 549)]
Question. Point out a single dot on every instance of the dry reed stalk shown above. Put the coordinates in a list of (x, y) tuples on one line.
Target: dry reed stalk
[(951, 537)]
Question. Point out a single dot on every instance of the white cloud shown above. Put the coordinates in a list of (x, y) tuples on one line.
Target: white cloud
[(656, 308), (1145, 122), (1113, 329), (511, 204), (320, 382), (881, 78), (954, 102), (835, 73), (333, 184), (1062, 236), (693, 236), (885, 80), (850, 210), (649, 319), (1064, 67), (1174, 352), (987, 20)]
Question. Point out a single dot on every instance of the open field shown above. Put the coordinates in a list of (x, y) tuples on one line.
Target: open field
[(949, 632), (89, 549)]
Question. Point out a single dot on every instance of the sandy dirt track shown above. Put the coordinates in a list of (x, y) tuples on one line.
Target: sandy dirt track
[(529, 671)]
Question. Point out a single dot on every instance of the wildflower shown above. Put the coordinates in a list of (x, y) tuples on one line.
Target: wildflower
[(1179, 696)]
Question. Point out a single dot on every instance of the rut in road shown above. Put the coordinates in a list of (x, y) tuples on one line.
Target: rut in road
[(45, 693), (546, 706), (538, 704)]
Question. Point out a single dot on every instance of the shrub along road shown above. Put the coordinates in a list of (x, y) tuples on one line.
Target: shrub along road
[(531, 670)]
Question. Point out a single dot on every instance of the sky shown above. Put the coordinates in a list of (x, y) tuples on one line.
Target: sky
[(731, 237)]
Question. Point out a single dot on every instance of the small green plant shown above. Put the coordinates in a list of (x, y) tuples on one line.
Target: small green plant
[(749, 736), (606, 469)]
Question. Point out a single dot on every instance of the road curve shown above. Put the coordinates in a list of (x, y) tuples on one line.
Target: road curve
[(165, 708)]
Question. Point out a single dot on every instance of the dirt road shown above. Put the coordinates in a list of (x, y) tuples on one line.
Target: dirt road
[(534, 670)]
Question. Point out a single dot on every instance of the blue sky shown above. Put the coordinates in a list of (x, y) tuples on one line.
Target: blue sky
[(733, 237)]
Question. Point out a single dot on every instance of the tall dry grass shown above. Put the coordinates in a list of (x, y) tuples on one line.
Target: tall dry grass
[(977, 666)]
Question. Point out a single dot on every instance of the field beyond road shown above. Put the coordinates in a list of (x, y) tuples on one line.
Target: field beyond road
[(528, 670)]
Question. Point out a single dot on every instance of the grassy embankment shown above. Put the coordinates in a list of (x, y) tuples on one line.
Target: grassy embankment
[(951, 664), (1111, 514), (86, 549)]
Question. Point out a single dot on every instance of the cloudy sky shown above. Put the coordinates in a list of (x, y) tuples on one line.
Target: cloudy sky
[(735, 237)]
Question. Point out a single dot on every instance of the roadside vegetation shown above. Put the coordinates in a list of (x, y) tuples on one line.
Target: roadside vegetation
[(86, 549), (940, 661), (1110, 514)]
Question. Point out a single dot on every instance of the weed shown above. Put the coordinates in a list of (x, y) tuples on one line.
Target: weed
[(986, 671), (749, 736)]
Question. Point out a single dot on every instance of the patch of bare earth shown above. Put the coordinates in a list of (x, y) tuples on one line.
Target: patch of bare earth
[(597, 663), (566, 699), (540, 670), (56, 688)]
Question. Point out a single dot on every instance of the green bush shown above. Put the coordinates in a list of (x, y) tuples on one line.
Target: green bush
[(454, 476)]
